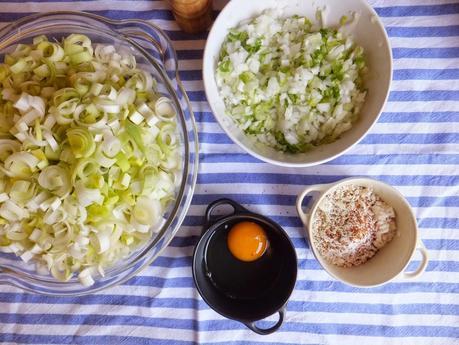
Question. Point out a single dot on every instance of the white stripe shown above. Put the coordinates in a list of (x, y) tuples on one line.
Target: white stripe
[(420, 212), (293, 190), (380, 149), (94, 330), (417, 127), (423, 42), (304, 253), (213, 336), (399, 320), (398, 107), (306, 274), (426, 233), (398, 298), (426, 277), (332, 170), (190, 65), (189, 45), (439, 233), (363, 149), (418, 85), (353, 340), (416, 62), (297, 233), (422, 106), (363, 297)]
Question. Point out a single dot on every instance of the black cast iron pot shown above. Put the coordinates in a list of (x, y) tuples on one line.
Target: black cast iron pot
[(244, 291)]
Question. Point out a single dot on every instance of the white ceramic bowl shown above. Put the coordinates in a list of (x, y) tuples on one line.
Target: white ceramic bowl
[(391, 260), (368, 33)]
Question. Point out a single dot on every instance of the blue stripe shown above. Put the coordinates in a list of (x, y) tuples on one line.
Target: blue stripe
[(295, 222), (308, 285), (386, 117), (307, 180), (423, 31), (289, 200), (408, 138), (425, 53), (348, 159), (426, 74), (430, 95), (190, 75), (414, 138), (85, 340), (399, 74), (447, 223), (422, 10), (301, 243), (190, 54), (398, 53), (390, 11), (307, 264), (191, 303), (178, 35), (182, 36), (145, 15), (212, 325), (414, 117), (392, 31)]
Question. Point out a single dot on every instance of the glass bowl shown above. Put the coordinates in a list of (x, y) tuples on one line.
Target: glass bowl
[(154, 52)]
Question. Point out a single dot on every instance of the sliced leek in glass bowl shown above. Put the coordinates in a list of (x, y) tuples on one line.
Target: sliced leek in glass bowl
[(98, 151)]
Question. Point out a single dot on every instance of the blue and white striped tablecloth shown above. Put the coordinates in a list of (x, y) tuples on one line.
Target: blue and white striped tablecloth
[(414, 146)]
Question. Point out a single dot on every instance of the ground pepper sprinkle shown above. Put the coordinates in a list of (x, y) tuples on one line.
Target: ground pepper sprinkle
[(351, 224)]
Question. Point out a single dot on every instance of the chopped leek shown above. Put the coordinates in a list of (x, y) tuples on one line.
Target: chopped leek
[(89, 156)]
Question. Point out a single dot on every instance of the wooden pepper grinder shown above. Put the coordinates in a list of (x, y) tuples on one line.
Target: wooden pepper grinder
[(192, 16)]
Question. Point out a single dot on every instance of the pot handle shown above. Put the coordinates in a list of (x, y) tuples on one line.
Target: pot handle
[(299, 201), (424, 261), (237, 208), (262, 331)]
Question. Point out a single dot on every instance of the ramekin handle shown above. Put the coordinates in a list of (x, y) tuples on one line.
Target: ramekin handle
[(270, 330), (299, 200), (424, 261)]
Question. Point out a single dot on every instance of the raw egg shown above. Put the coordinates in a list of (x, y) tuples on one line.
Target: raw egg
[(247, 241)]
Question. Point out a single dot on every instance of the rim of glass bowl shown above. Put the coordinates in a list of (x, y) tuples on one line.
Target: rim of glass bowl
[(139, 259)]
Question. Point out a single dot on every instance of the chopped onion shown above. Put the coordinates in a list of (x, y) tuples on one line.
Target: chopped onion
[(289, 83)]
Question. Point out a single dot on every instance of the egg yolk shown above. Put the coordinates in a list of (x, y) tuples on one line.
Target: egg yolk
[(247, 241)]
